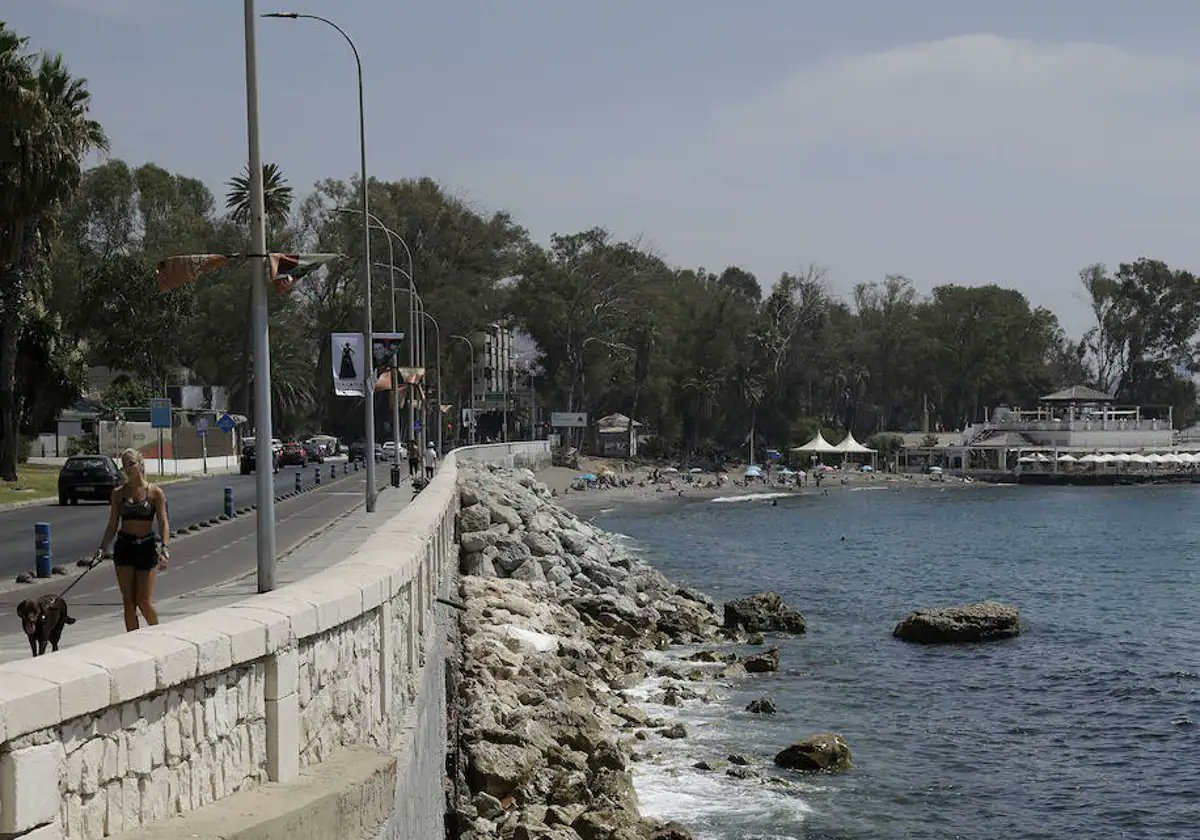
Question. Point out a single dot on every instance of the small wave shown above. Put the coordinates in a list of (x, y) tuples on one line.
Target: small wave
[(750, 497), (863, 489)]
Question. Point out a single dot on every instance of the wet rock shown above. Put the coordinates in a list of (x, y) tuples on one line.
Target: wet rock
[(671, 831), (755, 639), (761, 706), (712, 656), (763, 662), (709, 766), (740, 760), (978, 622), (825, 752), (742, 772), (674, 731), (763, 612)]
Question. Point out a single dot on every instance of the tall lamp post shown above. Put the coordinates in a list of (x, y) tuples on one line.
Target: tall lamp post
[(416, 301), (392, 272), (264, 484), (368, 366), (471, 368)]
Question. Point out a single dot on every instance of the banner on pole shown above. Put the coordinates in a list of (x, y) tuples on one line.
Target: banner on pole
[(348, 359), (384, 346)]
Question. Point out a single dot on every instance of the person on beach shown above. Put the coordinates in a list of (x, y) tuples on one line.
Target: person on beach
[(431, 458), (137, 554), (414, 458)]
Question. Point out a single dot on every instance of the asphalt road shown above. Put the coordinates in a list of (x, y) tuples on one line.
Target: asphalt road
[(75, 530), (201, 559)]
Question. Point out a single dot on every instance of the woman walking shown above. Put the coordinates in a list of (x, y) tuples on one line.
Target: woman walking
[(137, 555)]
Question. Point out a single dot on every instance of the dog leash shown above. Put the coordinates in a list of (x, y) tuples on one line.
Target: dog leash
[(95, 562)]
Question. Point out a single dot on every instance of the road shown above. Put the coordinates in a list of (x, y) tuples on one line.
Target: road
[(76, 529), (201, 559)]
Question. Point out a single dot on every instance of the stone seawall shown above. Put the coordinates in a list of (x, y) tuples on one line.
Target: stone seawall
[(144, 730)]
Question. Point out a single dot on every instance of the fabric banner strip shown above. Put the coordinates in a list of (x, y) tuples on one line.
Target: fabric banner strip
[(286, 269)]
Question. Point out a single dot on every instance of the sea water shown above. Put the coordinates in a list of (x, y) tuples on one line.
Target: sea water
[(1087, 725)]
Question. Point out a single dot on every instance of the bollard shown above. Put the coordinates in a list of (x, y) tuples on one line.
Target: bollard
[(317, 475), (345, 468), (41, 548), (299, 482), (332, 471), (229, 502), (395, 475)]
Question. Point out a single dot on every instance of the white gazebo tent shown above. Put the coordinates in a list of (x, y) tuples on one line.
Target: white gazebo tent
[(850, 446), (818, 445)]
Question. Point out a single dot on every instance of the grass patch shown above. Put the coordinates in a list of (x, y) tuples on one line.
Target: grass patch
[(34, 481)]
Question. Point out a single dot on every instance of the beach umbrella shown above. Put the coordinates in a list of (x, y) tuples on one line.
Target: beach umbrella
[(587, 477), (1121, 458), (1043, 458), (1089, 458), (1171, 458), (1027, 459), (1066, 457), (786, 471), (670, 470), (1186, 458), (1136, 458), (935, 469), (695, 470), (752, 471), (1104, 458), (866, 468)]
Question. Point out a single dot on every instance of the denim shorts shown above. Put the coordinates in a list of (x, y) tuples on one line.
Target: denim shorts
[(139, 552)]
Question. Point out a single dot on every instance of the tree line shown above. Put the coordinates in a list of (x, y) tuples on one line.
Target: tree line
[(701, 357)]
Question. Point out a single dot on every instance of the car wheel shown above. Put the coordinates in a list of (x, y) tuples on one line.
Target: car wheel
[(62, 498), (74, 499)]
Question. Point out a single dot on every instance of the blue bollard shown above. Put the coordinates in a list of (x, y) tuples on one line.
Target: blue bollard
[(332, 471), (41, 548), (299, 482), (229, 502), (317, 475)]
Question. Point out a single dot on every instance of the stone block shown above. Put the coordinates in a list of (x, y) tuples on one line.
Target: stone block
[(131, 672), (140, 749), (282, 674), (213, 648), (247, 638), (277, 624), (83, 688), (291, 602), (131, 802), (283, 739), (155, 796), (28, 786), (175, 660), (93, 814), (114, 808), (53, 831)]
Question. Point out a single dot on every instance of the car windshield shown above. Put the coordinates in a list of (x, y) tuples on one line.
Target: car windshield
[(84, 464)]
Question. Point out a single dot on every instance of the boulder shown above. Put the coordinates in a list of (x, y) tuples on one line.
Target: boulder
[(675, 731), (761, 663), (827, 752), (474, 518), (479, 564), (761, 706), (503, 513), (967, 623), (468, 494), (498, 769), (530, 571), (762, 613), (541, 544), (511, 553), (671, 831)]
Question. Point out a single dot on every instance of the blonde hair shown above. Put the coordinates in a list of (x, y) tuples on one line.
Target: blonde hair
[(132, 454)]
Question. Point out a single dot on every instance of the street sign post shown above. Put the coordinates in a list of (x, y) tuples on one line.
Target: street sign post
[(568, 419), (226, 423), (160, 418), (202, 433)]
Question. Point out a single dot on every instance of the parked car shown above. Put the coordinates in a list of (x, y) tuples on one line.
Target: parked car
[(358, 450), (293, 455), (316, 452), (248, 462), (329, 443), (88, 477)]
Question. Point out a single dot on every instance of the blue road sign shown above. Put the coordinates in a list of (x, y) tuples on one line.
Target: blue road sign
[(202, 426), (416, 425), (226, 423), (160, 413)]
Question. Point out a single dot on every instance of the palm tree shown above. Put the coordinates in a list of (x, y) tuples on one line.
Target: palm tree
[(277, 196), (42, 147)]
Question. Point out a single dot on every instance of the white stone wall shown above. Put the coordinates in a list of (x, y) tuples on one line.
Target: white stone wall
[(111, 735)]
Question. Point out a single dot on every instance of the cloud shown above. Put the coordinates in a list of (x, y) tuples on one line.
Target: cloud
[(1077, 110)]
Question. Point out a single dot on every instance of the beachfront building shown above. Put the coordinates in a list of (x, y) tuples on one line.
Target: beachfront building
[(613, 438)]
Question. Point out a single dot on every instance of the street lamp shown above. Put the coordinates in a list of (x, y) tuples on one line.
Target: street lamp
[(369, 368), (471, 368), (424, 351)]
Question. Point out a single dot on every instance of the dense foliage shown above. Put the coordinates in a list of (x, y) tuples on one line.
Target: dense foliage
[(702, 358)]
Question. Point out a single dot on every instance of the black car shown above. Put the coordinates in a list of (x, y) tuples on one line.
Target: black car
[(88, 477), (358, 451), (249, 460), (316, 452)]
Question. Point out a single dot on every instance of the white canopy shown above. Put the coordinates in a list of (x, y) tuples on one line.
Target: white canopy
[(1136, 458), (1186, 458), (849, 444), (1090, 458), (1105, 458), (1027, 459), (1121, 458), (1066, 457), (1171, 458), (817, 444)]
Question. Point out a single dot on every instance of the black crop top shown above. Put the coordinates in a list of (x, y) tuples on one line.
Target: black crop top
[(143, 510)]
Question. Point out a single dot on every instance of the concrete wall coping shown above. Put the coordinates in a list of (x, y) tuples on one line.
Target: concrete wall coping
[(45, 691)]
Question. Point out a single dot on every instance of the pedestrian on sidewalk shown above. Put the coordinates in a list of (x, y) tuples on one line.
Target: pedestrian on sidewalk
[(431, 458), (414, 458), (137, 554)]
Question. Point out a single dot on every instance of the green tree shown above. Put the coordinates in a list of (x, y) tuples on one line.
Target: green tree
[(45, 135)]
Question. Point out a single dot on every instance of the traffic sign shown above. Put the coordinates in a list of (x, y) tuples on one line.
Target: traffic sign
[(226, 423), (201, 426), (160, 413), (416, 425)]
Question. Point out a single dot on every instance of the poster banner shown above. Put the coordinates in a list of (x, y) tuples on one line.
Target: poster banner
[(348, 360), (383, 346)]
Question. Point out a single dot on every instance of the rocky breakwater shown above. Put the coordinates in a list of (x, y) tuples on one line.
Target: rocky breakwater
[(557, 618)]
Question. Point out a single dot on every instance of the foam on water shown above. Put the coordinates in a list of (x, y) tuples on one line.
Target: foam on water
[(750, 497)]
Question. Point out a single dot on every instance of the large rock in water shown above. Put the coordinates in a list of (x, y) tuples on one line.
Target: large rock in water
[(763, 612), (967, 623), (827, 752)]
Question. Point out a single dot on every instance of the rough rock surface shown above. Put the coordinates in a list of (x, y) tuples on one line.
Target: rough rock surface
[(763, 612), (760, 663), (762, 706), (968, 623), (827, 752), (558, 617)]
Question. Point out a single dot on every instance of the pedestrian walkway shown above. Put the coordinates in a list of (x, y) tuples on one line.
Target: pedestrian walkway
[(330, 546)]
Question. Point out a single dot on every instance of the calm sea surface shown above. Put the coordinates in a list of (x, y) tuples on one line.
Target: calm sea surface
[(1088, 725)]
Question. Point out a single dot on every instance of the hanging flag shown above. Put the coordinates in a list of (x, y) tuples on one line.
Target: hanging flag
[(347, 355), (286, 269), (411, 375)]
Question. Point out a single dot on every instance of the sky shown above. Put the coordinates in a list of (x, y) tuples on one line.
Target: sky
[(951, 141)]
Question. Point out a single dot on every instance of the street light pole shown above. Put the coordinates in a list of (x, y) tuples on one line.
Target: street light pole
[(369, 366), (471, 368), (264, 479)]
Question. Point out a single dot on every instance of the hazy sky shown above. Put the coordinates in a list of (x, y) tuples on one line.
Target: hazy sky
[(952, 141)]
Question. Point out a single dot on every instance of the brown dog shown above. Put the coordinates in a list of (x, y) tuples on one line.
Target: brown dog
[(43, 621)]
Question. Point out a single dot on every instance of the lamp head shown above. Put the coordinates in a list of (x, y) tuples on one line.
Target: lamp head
[(290, 15)]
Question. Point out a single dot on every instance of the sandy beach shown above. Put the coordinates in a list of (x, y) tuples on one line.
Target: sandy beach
[(674, 486)]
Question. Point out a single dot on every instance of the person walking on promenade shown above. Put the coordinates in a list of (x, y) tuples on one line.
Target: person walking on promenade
[(431, 458), (414, 458), (137, 554)]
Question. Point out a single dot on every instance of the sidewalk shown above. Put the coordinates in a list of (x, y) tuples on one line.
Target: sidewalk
[(329, 546)]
